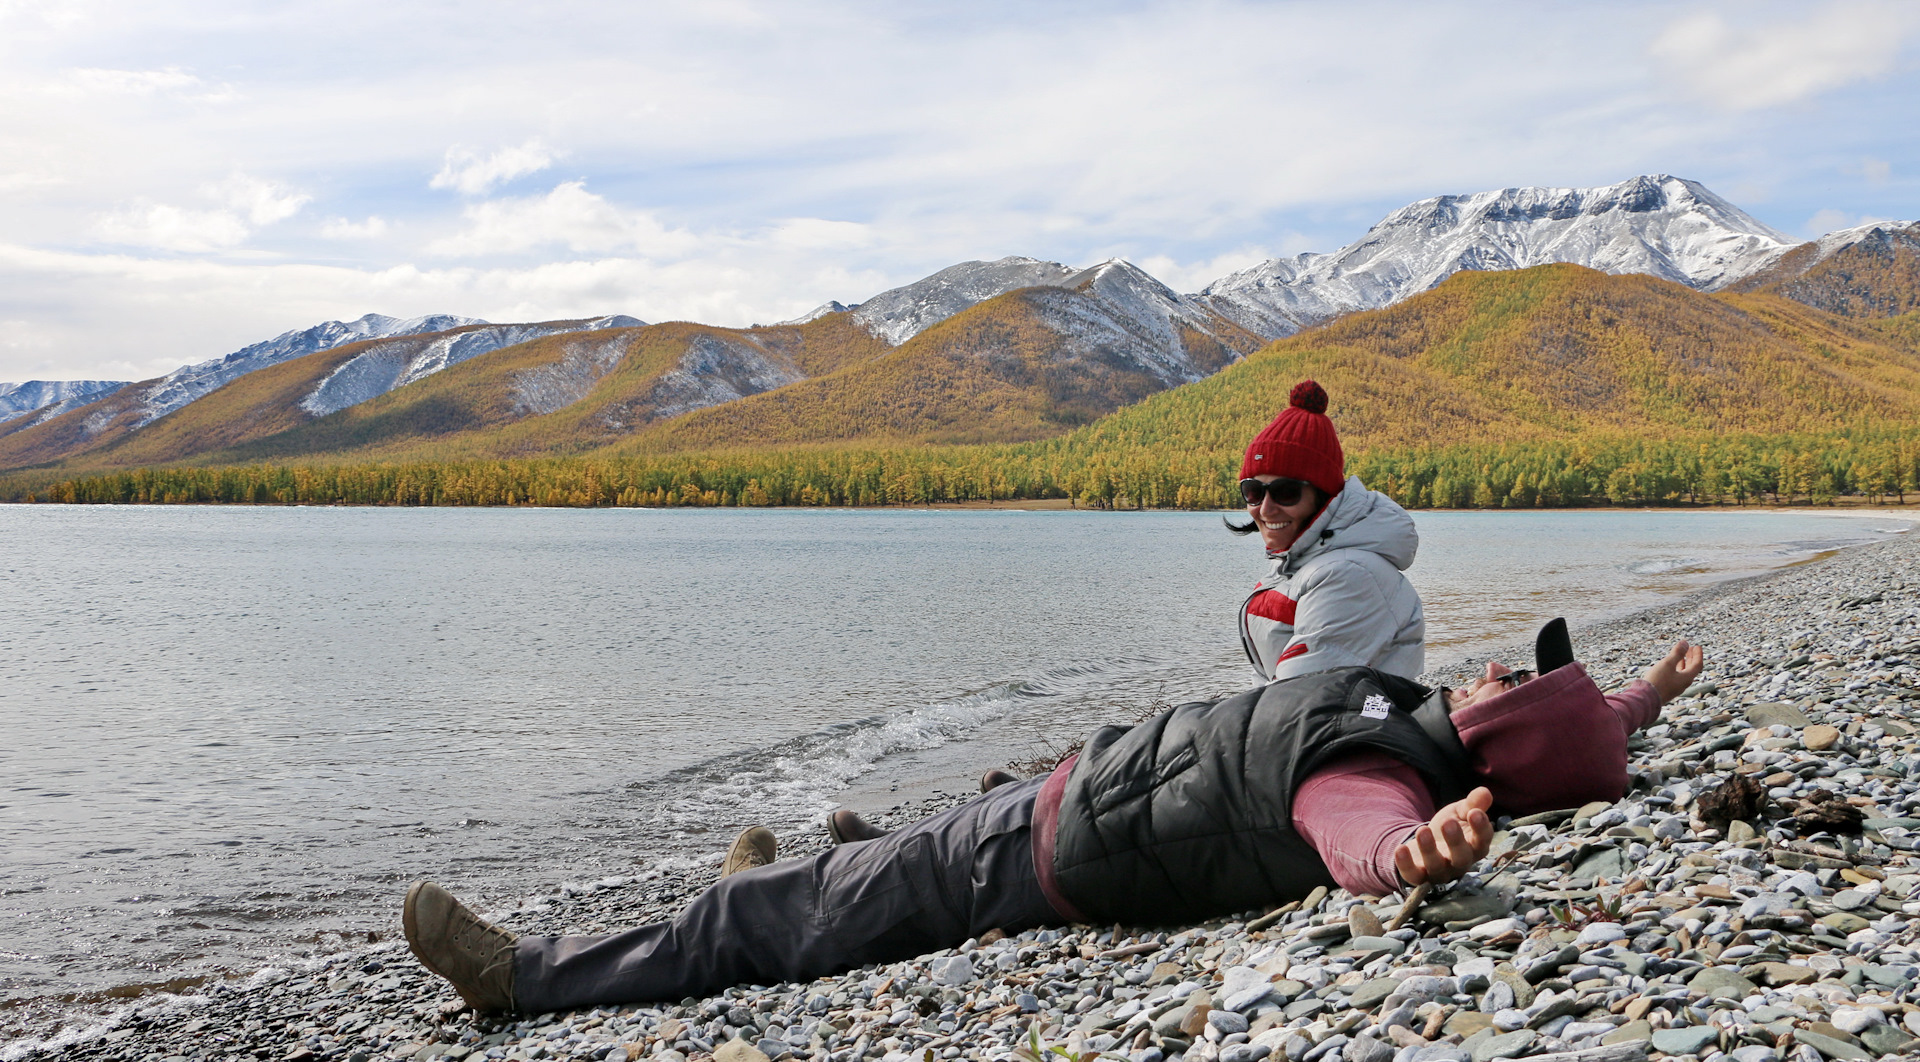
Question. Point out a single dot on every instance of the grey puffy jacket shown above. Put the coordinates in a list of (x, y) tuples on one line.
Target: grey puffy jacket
[(1338, 598)]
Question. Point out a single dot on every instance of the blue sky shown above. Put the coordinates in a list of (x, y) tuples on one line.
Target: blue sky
[(180, 179)]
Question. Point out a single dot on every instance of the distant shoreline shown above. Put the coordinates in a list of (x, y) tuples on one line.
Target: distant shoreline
[(1893, 510)]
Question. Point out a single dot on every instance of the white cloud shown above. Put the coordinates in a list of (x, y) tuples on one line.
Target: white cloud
[(246, 203), (570, 217), (342, 229), (820, 234), (18, 181), (263, 202), (168, 81), (471, 174), (172, 228), (1877, 171), (754, 160), (130, 82), (1745, 68)]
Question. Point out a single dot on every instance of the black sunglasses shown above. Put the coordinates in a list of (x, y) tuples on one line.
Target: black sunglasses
[(1282, 491), (1515, 678)]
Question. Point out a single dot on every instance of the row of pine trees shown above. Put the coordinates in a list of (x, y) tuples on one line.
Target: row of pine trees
[(1877, 465)]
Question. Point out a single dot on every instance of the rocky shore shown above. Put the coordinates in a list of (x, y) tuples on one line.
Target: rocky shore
[(1753, 896)]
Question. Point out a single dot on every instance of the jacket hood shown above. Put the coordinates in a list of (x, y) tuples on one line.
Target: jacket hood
[(1356, 518)]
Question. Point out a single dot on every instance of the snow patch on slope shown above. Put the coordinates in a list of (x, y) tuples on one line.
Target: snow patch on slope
[(50, 398), (386, 366), (547, 388), (1658, 225), (189, 382), (715, 368)]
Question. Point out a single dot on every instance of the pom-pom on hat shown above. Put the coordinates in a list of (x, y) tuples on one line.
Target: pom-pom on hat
[(1300, 443)]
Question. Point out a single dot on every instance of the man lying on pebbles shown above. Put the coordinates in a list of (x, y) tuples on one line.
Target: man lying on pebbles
[(1350, 777)]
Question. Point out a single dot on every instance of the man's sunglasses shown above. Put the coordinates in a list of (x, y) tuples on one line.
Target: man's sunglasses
[(1515, 678), (1282, 491)]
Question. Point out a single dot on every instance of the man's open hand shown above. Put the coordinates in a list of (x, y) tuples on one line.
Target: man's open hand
[(1457, 837), (1677, 671)]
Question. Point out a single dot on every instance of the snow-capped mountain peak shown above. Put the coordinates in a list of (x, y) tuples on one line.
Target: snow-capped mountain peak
[(1135, 295), (825, 308), (1660, 225), (901, 313), (1841, 239)]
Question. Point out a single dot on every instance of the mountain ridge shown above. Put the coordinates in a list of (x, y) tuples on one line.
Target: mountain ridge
[(189, 382), (1555, 385), (1119, 335), (1657, 225), (44, 399), (1870, 270), (108, 424)]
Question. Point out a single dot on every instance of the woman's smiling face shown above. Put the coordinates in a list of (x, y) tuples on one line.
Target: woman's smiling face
[(1281, 524)]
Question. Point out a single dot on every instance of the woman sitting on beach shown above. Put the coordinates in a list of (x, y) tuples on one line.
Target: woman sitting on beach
[(1335, 595)]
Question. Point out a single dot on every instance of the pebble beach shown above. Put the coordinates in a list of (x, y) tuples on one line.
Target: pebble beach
[(1753, 896)]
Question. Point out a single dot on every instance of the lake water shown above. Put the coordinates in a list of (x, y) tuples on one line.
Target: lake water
[(234, 734)]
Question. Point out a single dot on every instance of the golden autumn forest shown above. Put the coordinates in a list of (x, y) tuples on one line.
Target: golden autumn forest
[(1551, 386)]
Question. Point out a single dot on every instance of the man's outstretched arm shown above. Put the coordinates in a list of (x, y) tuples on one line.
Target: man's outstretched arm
[(1355, 812), (1364, 813), (1638, 705), (1457, 837)]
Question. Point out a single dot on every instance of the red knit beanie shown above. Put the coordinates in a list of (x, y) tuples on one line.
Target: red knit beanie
[(1300, 443)]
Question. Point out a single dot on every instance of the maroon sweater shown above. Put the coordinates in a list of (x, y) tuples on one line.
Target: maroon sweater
[(1555, 742)]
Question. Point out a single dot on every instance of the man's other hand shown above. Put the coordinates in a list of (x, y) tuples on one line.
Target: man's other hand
[(1674, 674), (1457, 837)]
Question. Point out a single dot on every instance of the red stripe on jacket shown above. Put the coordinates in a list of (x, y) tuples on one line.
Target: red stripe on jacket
[(1273, 605)]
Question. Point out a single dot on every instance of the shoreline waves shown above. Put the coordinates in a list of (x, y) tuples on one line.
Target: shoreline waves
[(1614, 932)]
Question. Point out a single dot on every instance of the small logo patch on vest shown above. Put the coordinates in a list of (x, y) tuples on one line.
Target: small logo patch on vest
[(1376, 707)]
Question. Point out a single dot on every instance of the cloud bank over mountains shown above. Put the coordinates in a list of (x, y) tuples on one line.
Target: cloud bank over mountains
[(166, 191)]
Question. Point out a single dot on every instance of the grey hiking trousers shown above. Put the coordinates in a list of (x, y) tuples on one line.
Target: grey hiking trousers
[(924, 887)]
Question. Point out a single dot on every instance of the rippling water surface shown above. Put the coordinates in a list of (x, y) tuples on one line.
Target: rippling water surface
[(232, 734)]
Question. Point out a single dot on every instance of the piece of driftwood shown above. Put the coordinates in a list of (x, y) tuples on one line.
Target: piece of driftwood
[(1632, 1051), (1414, 899)]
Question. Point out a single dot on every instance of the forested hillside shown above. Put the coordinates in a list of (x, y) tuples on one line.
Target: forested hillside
[(1002, 371), (564, 395), (1545, 353), (1552, 386)]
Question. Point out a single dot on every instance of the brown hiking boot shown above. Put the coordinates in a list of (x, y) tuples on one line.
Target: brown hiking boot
[(753, 848), (846, 827), (471, 953), (995, 778)]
